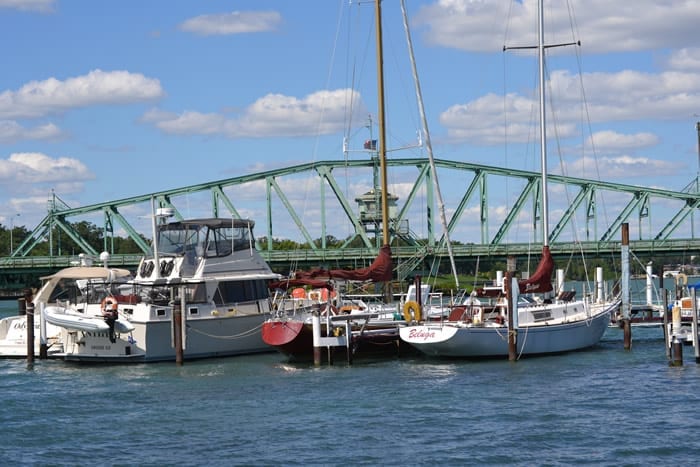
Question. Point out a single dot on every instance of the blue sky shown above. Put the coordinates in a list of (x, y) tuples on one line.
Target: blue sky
[(106, 100)]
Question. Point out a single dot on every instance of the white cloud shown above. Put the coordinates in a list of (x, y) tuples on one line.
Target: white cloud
[(601, 25), (274, 115), (40, 6), (613, 141), (687, 59), (621, 167), (11, 132), (491, 119), (33, 168), (40, 98), (623, 96), (236, 22)]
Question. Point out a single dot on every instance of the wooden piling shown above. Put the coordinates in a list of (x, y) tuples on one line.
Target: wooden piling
[(677, 350), (30, 333), (177, 332), (512, 332), (625, 284), (43, 344), (316, 327), (667, 332), (696, 347)]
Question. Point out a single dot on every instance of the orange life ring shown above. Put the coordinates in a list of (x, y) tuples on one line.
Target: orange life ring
[(411, 306), (110, 302)]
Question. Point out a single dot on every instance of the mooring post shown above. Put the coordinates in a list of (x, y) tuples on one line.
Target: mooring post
[(677, 345), (30, 333), (695, 326), (43, 344), (177, 331), (316, 330), (348, 343), (625, 283), (667, 330), (512, 307)]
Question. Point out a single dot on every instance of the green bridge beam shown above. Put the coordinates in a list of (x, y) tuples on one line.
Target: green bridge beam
[(476, 183)]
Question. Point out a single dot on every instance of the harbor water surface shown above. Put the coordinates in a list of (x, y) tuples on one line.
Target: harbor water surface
[(603, 406)]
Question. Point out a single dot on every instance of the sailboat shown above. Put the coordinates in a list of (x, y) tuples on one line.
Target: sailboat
[(374, 328), (485, 327)]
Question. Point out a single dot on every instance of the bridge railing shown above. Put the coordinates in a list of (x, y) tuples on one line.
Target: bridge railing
[(362, 256)]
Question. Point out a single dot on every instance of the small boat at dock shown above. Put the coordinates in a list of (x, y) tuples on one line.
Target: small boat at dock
[(71, 297)]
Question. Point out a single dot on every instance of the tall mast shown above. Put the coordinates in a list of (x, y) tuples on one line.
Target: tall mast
[(381, 123), (543, 130), (428, 143)]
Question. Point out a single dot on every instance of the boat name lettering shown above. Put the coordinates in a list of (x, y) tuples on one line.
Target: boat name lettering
[(421, 334), (100, 347)]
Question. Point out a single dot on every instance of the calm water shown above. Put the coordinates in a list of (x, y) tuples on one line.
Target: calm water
[(605, 406)]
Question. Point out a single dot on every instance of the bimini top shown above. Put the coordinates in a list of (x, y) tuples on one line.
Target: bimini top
[(89, 272), (214, 223)]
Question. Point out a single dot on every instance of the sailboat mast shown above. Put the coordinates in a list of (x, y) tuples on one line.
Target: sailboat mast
[(543, 131), (381, 122), (428, 143)]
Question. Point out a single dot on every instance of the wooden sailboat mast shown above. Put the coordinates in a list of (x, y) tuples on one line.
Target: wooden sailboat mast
[(381, 123)]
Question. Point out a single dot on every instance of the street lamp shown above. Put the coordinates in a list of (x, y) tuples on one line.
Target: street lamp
[(12, 227)]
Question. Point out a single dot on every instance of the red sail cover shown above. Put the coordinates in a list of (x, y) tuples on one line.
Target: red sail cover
[(379, 271), (541, 280)]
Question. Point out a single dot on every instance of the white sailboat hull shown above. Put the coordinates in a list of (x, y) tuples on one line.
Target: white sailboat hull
[(456, 339)]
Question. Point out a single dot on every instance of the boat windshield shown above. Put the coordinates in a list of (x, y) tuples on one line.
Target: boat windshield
[(203, 240)]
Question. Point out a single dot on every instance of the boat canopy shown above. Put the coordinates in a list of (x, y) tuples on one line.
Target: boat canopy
[(205, 237), (80, 273)]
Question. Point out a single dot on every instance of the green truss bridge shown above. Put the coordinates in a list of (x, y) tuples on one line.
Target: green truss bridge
[(333, 208)]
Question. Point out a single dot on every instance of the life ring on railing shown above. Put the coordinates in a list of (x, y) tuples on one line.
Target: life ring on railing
[(110, 311), (109, 304), (681, 279), (411, 306)]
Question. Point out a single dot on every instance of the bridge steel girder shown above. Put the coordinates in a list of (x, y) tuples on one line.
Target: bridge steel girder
[(690, 206), (325, 172), (292, 212), (641, 198), (584, 193), (532, 184), (112, 212), (637, 200)]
